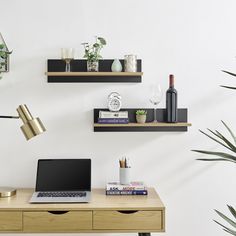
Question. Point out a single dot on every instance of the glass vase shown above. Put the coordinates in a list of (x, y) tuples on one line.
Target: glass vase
[(92, 66)]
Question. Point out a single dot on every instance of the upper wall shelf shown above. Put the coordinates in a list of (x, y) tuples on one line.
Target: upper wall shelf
[(79, 73)]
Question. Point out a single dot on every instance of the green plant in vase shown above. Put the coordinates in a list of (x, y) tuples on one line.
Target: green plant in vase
[(3, 57), (92, 53), (141, 116)]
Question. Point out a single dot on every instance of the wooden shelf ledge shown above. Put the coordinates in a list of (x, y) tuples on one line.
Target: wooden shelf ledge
[(94, 73)]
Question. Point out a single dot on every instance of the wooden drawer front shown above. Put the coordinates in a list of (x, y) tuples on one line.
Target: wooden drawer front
[(128, 220), (10, 221), (57, 221)]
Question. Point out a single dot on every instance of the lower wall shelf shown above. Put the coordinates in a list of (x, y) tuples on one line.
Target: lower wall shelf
[(160, 126)]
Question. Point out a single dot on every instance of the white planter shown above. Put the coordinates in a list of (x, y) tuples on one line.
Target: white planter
[(141, 119)]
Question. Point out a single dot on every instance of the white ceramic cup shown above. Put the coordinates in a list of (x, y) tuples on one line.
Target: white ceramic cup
[(125, 175)]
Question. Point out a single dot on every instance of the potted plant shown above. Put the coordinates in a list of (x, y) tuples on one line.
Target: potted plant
[(141, 116), (3, 57), (92, 53), (229, 145)]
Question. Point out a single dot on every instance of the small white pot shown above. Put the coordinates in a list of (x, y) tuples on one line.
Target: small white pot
[(141, 119)]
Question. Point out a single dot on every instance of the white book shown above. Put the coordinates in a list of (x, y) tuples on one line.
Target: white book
[(110, 114), (116, 186)]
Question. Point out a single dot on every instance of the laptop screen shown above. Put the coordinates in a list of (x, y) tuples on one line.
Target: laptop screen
[(63, 175)]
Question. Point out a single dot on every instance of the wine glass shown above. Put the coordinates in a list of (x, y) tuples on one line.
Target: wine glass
[(67, 54), (155, 98)]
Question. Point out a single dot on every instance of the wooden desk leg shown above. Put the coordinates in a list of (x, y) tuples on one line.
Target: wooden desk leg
[(144, 234)]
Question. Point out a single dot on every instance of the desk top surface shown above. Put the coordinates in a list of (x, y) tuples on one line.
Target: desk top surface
[(99, 201)]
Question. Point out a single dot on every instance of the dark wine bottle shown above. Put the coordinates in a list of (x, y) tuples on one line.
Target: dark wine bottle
[(171, 102)]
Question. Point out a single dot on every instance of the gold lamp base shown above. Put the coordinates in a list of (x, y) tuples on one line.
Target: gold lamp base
[(7, 192)]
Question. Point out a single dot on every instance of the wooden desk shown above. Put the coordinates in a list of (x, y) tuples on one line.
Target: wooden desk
[(104, 214)]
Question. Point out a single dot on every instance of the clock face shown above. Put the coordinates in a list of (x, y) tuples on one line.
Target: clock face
[(114, 104)]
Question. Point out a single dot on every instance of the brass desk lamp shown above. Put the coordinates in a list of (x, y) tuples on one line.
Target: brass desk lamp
[(31, 127)]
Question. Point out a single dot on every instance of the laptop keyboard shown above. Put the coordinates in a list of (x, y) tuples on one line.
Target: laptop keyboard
[(61, 194)]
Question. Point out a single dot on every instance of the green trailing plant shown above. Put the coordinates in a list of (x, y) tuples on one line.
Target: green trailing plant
[(228, 220), (230, 73), (92, 51), (141, 112), (3, 56)]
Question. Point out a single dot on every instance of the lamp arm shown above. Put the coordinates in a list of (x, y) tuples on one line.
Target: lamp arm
[(9, 117)]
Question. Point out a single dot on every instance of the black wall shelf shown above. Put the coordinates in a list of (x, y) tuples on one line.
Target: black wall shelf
[(56, 73), (161, 126)]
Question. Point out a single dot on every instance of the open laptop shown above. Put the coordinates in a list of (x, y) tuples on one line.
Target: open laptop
[(63, 181)]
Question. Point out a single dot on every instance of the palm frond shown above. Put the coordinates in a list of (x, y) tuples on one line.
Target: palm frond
[(228, 87), (227, 142), (228, 230), (209, 136), (227, 219), (230, 131), (230, 73), (225, 156), (232, 210)]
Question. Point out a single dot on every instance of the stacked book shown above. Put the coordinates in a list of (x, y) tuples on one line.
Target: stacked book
[(110, 117), (134, 188)]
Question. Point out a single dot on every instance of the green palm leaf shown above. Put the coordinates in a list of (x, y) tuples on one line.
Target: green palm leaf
[(215, 140), (227, 72), (222, 137), (225, 140), (225, 156), (228, 87), (226, 229), (232, 210), (230, 131), (231, 222)]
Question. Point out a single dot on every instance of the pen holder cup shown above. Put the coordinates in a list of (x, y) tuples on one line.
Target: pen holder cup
[(125, 175)]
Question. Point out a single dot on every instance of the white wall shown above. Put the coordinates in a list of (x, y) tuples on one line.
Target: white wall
[(192, 39)]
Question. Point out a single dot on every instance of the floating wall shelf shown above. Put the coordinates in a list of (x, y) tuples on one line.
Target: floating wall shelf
[(79, 73), (161, 126)]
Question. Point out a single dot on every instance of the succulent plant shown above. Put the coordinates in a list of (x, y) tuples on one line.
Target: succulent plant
[(141, 112)]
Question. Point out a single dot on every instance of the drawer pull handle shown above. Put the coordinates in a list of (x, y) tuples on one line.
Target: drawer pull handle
[(127, 212), (58, 212)]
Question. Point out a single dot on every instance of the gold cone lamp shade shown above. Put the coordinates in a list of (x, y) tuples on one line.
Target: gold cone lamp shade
[(32, 126)]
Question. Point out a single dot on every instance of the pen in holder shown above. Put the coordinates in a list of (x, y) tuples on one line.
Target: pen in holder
[(125, 175), (124, 171)]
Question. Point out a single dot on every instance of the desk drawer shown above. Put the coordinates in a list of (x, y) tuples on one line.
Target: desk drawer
[(57, 221), (132, 220), (10, 221)]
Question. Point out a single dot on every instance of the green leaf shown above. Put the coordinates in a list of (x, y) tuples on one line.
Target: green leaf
[(228, 87), (226, 141), (230, 131), (232, 210), (228, 230), (96, 45), (231, 222), (220, 154), (219, 135), (213, 159), (227, 72), (215, 140), (102, 40)]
